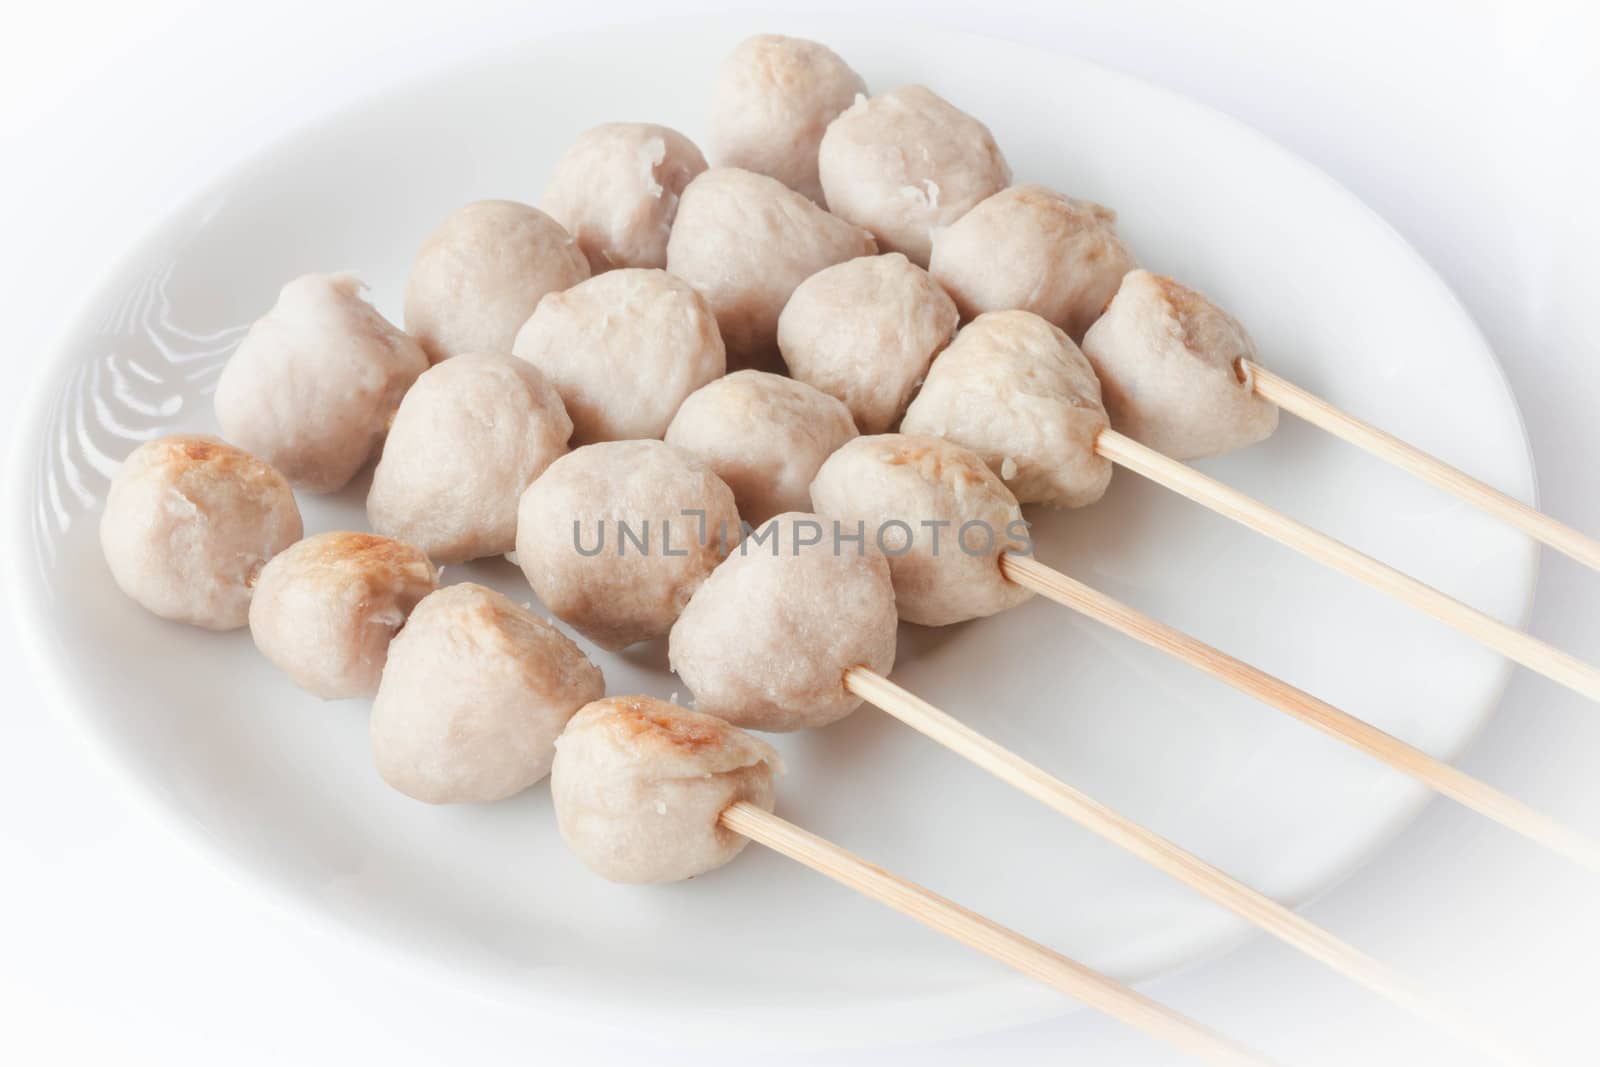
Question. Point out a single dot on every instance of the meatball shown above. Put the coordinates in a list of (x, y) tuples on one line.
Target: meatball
[(906, 163), (313, 385), (773, 99), (767, 639), (745, 241), (616, 191), (939, 514), (763, 434), (188, 524), (473, 695), (623, 349), (325, 609), (481, 272), (468, 439), (1031, 248), (1017, 391), (1170, 367), (615, 537), (640, 786), (865, 332)]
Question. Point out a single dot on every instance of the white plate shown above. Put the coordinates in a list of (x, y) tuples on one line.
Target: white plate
[(281, 785)]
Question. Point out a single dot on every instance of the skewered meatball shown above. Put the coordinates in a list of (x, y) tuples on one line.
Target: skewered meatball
[(865, 332), (481, 272), (745, 241), (1031, 248), (1169, 367), (773, 99), (325, 609), (640, 786), (616, 191), (468, 439), (763, 434), (615, 537), (1016, 390), (473, 695), (906, 163), (623, 349), (313, 385), (766, 640), (938, 513), (188, 524)]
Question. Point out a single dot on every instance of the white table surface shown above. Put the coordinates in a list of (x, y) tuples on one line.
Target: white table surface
[(1470, 126)]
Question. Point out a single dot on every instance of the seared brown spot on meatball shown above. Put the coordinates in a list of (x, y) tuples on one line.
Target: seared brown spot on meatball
[(688, 731), (1185, 304), (936, 464), (197, 449)]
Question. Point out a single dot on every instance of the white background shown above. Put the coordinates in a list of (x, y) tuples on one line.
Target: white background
[(1470, 126)]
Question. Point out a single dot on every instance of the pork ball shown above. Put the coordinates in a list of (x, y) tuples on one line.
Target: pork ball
[(904, 164), (1031, 248), (623, 349), (745, 241), (325, 609), (313, 385), (616, 191), (473, 696), (189, 521), (865, 332), (468, 439), (1017, 391), (773, 99), (1170, 368), (616, 537), (481, 272), (765, 642), (763, 434), (640, 786), (939, 514)]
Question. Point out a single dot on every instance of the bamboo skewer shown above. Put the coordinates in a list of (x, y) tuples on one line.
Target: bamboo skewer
[(1437, 774), (1509, 641), (1167, 857), (1391, 449), (988, 937)]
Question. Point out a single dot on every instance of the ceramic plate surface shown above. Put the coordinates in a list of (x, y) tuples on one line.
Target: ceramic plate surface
[(281, 785)]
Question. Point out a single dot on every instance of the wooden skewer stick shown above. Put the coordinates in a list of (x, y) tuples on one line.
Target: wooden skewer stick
[(988, 937), (1221, 887), (1509, 641), (1441, 776), (1391, 449)]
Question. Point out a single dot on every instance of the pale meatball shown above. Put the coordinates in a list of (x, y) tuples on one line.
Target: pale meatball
[(865, 332), (480, 274), (767, 639), (616, 191), (325, 609), (468, 439), (623, 349), (474, 694), (616, 537), (939, 514), (188, 524), (313, 385), (640, 786), (1017, 391), (745, 241), (1031, 248), (1170, 366), (906, 163), (763, 434), (773, 100)]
